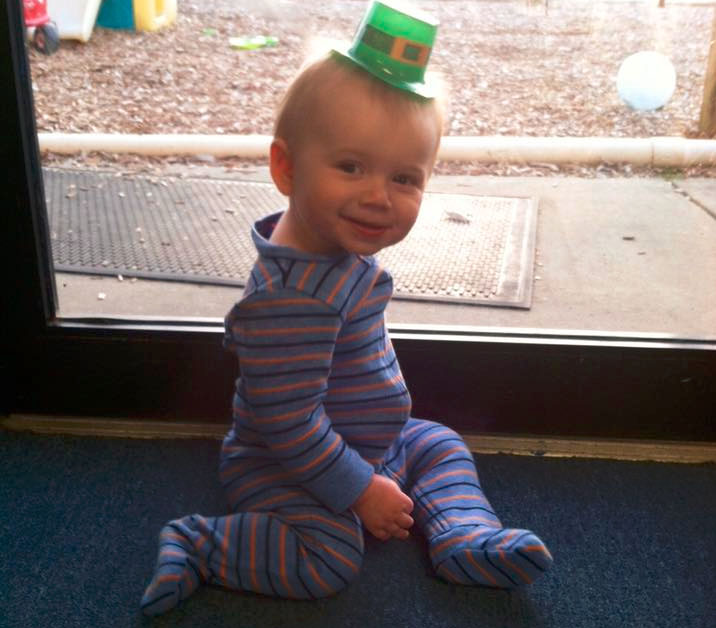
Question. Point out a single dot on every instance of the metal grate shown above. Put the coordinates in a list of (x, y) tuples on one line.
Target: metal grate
[(463, 248)]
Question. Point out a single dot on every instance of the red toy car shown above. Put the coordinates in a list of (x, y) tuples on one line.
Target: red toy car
[(46, 38)]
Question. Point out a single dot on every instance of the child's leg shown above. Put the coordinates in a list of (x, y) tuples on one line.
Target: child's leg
[(467, 543), (297, 550)]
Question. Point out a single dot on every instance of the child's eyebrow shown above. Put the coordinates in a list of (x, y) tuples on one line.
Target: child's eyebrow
[(414, 170), (362, 154), (350, 151)]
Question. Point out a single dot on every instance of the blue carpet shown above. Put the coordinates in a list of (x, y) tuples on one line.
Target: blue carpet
[(634, 544)]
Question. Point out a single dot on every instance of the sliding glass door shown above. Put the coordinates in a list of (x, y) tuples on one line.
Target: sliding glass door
[(477, 374)]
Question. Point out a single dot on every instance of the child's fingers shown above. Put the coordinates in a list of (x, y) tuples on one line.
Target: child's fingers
[(407, 503), (400, 533), (393, 531), (404, 520), (382, 535)]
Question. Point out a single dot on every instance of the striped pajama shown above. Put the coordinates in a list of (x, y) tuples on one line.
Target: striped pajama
[(320, 407)]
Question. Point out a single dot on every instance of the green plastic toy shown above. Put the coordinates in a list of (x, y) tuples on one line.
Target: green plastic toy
[(252, 43), (394, 44)]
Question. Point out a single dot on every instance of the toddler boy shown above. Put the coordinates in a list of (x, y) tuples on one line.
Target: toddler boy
[(322, 444)]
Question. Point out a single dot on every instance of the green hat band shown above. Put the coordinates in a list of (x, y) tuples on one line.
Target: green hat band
[(405, 58), (394, 46)]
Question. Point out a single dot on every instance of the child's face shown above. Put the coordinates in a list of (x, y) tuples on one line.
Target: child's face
[(359, 174)]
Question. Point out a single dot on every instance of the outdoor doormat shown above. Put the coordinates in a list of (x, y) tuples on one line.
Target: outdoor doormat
[(463, 248)]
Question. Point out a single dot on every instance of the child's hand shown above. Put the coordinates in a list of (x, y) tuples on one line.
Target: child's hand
[(384, 509)]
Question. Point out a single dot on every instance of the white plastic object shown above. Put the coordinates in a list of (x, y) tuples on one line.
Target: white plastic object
[(646, 80), (75, 19)]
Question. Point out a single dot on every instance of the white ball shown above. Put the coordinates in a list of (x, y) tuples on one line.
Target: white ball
[(646, 80)]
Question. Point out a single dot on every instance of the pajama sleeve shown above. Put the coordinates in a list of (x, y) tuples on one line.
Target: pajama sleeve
[(285, 342)]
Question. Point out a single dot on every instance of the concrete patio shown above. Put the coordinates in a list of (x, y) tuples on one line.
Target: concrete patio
[(612, 254)]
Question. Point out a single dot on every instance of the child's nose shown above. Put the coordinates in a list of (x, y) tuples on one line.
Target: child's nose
[(375, 192)]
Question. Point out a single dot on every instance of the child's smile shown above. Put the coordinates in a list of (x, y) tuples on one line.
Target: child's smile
[(366, 229)]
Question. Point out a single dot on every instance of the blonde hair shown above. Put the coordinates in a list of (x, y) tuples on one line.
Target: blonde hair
[(319, 79)]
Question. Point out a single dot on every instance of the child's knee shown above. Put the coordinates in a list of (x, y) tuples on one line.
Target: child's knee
[(438, 442)]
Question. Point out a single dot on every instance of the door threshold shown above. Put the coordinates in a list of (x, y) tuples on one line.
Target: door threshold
[(522, 445)]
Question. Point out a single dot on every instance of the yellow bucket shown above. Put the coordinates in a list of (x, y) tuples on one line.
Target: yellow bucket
[(151, 15)]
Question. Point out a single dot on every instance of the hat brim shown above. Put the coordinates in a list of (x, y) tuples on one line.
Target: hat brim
[(423, 90)]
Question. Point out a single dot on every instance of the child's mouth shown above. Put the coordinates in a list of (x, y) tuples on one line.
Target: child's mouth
[(366, 229)]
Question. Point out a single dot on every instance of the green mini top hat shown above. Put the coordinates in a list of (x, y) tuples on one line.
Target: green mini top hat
[(394, 44)]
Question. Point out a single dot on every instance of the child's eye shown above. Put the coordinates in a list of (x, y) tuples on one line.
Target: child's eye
[(348, 167), (405, 179)]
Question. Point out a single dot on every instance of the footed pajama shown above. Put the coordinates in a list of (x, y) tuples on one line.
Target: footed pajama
[(320, 407)]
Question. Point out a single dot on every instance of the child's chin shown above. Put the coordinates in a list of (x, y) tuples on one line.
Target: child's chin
[(367, 247), (366, 250)]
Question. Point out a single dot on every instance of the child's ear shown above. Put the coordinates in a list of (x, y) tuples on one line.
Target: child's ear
[(281, 166)]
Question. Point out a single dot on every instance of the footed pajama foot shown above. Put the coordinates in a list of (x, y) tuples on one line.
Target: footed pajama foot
[(494, 557), (177, 574)]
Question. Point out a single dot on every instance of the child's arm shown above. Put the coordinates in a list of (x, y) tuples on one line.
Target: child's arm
[(384, 509), (285, 342)]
